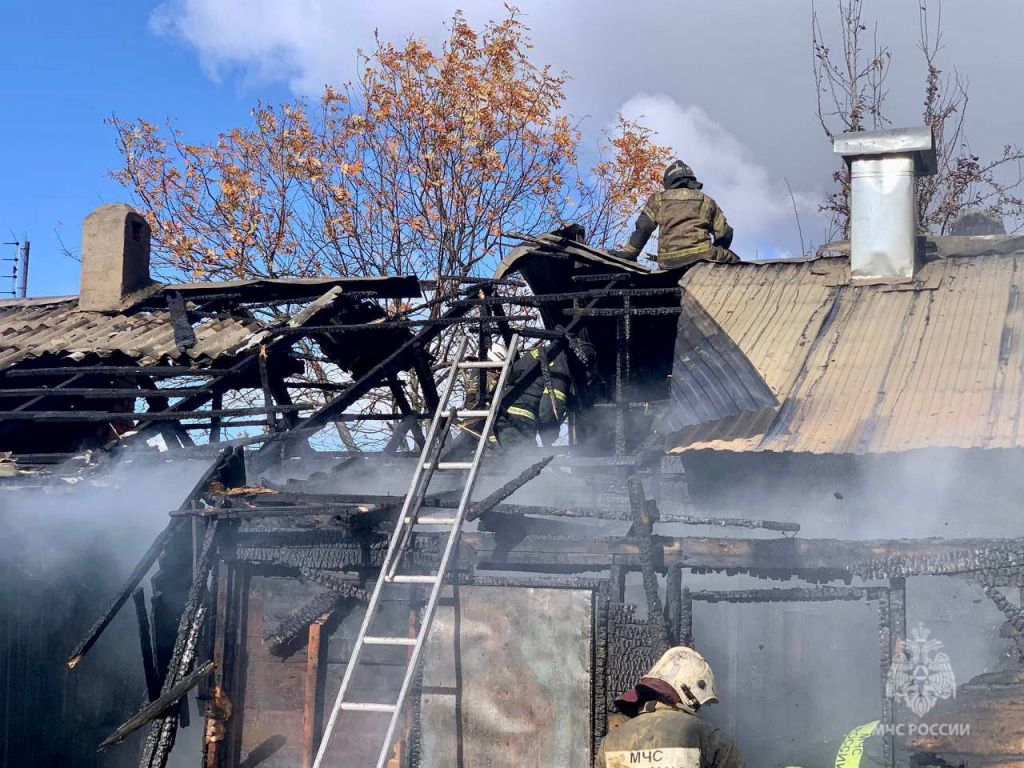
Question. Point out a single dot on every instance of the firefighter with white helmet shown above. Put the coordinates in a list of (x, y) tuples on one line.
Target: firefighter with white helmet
[(664, 730)]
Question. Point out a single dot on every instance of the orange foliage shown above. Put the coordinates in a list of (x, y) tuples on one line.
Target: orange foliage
[(417, 167)]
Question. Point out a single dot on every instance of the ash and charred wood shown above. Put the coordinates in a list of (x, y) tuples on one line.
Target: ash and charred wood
[(374, 377), (821, 594), (644, 517), (532, 301), (439, 323), (664, 517), (146, 416), (184, 335), (298, 622), (821, 558), (506, 490), (146, 645), (160, 739), (246, 513), (161, 371), (686, 618), (345, 584), (1014, 615), (159, 705), (100, 393), (620, 311), (140, 570), (317, 309)]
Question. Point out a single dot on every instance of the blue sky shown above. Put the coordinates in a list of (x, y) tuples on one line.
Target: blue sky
[(737, 103), (63, 72)]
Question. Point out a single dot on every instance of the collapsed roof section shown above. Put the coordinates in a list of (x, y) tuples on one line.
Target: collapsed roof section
[(223, 318)]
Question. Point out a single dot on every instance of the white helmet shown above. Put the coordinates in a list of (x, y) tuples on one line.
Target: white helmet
[(497, 353), (689, 675)]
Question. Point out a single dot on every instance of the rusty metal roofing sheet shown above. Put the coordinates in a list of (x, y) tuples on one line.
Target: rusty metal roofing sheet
[(57, 327), (874, 369)]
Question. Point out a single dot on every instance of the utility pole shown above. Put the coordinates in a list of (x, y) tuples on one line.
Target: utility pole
[(19, 270), (22, 269)]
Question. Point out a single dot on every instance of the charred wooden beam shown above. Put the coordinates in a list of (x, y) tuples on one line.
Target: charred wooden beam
[(506, 490), (831, 558), (140, 570), (620, 311), (160, 739), (297, 622), (147, 416), (147, 561), (159, 706), (439, 323), (146, 645), (184, 335), (376, 375), (644, 517), (823, 594)]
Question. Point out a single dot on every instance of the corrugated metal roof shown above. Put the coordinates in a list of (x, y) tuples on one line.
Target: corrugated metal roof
[(873, 369), (37, 327)]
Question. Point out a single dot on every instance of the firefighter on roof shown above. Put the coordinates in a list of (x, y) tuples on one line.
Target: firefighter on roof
[(664, 730), (691, 226)]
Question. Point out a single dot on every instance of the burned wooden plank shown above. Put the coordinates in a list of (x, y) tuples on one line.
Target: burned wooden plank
[(159, 706), (506, 490), (146, 645), (160, 739), (140, 570)]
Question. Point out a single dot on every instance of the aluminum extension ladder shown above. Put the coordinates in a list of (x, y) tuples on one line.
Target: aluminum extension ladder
[(440, 427)]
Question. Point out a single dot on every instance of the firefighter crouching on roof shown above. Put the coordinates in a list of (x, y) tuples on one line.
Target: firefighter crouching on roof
[(664, 730), (543, 405), (691, 227)]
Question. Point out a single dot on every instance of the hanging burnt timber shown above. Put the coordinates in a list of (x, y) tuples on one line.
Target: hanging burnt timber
[(218, 467), (160, 739), (159, 705)]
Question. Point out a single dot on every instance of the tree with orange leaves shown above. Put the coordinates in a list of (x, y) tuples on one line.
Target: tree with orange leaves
[(417, 167)]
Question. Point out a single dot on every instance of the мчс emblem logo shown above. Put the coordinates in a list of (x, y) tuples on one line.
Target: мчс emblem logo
[(920, 674)]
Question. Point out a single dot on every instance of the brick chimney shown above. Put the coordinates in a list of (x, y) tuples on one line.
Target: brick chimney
[(115, 257)]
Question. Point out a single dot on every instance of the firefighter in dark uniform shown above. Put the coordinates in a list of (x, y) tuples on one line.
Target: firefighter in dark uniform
[(664, 730), (545, 402), (691, 227)]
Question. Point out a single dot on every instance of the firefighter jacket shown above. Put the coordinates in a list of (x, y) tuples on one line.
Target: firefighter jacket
[(539, 402), (690, 227), (662, 736)]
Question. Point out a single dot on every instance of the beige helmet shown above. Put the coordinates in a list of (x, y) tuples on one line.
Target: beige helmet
[(497, 352), (689, 675)]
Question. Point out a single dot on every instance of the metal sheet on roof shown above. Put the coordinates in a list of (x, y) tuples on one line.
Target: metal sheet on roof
[(869, 369)]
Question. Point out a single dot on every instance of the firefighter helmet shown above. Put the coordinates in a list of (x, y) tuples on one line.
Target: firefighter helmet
[(678, 172), (497, 353), (689, 675)]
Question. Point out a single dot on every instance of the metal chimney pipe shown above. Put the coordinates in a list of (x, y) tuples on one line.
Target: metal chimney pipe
[(23, 249), (884, 166)]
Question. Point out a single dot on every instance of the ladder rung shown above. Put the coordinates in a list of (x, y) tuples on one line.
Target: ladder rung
[(465, 414), (414, 579), (479, 364), (455, 465), (362, 706), (431, 520), (389, 640)]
